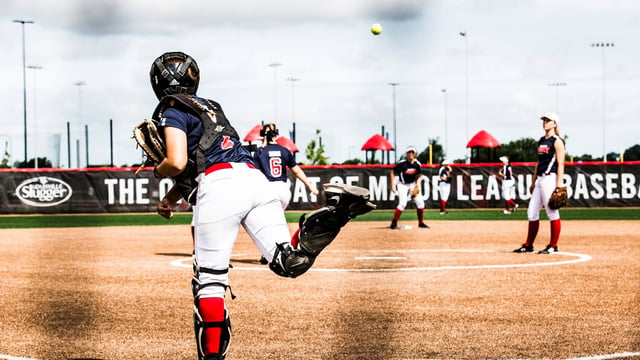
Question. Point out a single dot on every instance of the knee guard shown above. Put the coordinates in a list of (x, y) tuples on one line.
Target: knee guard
[(212, 328)]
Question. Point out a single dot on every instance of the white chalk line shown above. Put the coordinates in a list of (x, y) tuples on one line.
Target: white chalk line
[(589, 357), (577, 258)]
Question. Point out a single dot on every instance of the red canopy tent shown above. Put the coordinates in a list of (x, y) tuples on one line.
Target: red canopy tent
[(287, 143), (254, 134), (376, 142), (483, 140)]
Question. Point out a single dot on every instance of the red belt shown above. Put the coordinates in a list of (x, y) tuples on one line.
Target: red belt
[(220, 166)]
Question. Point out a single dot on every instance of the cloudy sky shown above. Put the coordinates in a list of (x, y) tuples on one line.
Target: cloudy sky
[(513, 51)]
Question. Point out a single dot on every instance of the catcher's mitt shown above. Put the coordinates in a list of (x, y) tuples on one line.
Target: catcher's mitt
[(147, 136), (559, 198)]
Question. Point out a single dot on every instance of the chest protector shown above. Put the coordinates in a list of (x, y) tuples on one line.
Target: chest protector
[(214, 122)]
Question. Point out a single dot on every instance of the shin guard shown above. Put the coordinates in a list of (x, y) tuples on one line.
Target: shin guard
[(212, 328)]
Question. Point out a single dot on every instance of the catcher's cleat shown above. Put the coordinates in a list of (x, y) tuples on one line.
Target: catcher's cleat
[(524, 249), (549, 250), (353, 198), (423, 225)]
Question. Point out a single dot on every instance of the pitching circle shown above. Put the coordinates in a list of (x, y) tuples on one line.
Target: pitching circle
[(574, 258)]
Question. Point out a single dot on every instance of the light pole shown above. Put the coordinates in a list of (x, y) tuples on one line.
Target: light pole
[(557, 85), (466, 87), (24, 85), (35, 114), (79, 84), (275, 66), (604, 151), (292, 134), (395, 143), (446, 137)]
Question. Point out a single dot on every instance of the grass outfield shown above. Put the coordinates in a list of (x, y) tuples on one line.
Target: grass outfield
[(96, 220)]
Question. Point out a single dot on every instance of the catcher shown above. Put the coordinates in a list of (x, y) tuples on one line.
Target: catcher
[(546, 189), (202, 148), (406, 180)]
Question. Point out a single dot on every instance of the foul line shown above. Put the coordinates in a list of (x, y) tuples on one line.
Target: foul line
[(577, 258), (591, 357)]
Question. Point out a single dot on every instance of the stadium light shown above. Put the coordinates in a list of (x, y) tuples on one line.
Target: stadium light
[(24, 85), (604, 128)]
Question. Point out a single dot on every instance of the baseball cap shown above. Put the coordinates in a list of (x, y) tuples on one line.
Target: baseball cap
[(503, 158), (551, 116), (445, 162), (410, 148)]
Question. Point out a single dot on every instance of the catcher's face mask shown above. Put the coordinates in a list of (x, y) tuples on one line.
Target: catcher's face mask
[(174, 73)]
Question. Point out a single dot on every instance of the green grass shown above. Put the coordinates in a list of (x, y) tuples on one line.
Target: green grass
[(97, 220)]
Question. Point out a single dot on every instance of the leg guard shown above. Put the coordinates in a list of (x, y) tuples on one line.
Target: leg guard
[(344, 203), (319, 229), (211, 322), (212, 328)]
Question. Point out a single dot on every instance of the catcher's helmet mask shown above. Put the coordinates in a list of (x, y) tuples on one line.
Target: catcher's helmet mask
[(174, 73)]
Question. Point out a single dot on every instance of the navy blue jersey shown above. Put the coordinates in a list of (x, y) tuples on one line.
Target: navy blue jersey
[(547, 155), (408, 172), (224, 149), (444, 172), (273, 161), (508, 173)]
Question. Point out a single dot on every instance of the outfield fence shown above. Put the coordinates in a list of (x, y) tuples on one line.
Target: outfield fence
[(113, 190)]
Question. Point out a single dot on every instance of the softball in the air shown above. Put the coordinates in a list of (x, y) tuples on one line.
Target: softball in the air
[(376, 29)]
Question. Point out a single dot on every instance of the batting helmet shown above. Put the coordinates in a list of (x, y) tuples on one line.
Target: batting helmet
[(174, 73)]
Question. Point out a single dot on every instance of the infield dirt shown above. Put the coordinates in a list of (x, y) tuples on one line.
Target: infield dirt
[(455, 291)]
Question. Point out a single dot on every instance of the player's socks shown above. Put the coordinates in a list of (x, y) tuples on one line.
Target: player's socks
[(532, 232), (555, 232), (295, 238), (443, 205), (212, 310), (420, 213), (396, 215)]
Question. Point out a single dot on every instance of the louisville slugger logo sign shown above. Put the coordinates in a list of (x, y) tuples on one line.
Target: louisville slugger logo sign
[(43, 191)]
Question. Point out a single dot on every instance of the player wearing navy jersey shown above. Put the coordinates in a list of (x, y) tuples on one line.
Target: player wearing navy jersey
[(508, 185), (205, 157), (444, 185), (547, 176), (273, 160), (406, 179)]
